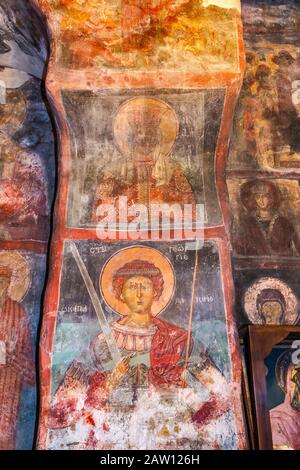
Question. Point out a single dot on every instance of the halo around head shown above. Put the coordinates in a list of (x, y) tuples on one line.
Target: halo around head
[(250, 300), (150, 112), (126, 255), (20, 277)]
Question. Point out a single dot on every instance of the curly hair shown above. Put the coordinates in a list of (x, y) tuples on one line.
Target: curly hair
[(138, 268)]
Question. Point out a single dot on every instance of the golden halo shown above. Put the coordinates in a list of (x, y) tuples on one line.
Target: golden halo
[(152, 112), (292, 303), (14, 111), (21, 278), (126, 255)]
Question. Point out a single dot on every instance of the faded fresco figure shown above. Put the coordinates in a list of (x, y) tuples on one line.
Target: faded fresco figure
[(271, 306), (23, 193), (142, 35), (270, 301), (156, 368), (145, 130), (261, 230), (16, 351), (244, 137), (266, 125), (287, 126), (267, 106), (285, 418)]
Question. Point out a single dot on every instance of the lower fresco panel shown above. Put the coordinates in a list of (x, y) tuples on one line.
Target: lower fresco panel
[(135, 365)]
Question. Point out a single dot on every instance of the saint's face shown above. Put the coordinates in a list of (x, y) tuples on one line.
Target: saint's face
[(138, 294), (145, 143), (4, 285), (262, 200), (272, 312), (106, 187)]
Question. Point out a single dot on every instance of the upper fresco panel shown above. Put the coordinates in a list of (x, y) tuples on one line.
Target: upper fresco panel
[(134, 35)]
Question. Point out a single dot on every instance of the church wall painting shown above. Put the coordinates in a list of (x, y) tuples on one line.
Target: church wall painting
[(26, 192), (266, 295), (156, 38), (122, 83), (265, 218), (22, 279), (26, 148), (102, 88), (263, 170), (80, 420), (110, 159), (266, 124)]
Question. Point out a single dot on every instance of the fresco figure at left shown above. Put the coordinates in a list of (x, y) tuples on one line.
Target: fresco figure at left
[(26, 191)]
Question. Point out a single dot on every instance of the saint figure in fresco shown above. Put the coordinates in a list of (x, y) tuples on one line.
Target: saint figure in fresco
[(244, 141), (155, 358), (285, 418), (287, 122), (271, 306), (261, 229), (16, 353), (270, 301), (267, 109), (145, 130), (23, 193)]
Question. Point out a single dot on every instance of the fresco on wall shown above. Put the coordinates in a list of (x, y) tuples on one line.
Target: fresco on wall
[(161, 35), (21, 284), (154, 148), (268, 296), (23, 39), (147, 370), (267, 120), (265, 217), (283, 381), (263, 168), (143, 100), (26, 191), (26, 148)]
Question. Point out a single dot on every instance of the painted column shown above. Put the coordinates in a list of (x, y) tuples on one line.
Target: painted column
[(139, 346)]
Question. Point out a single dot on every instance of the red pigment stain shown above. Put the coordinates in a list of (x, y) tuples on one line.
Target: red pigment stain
[(90, 420), (206, 413)]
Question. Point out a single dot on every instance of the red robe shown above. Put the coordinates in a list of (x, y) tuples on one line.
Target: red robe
[(252, 240), (18, 369)]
